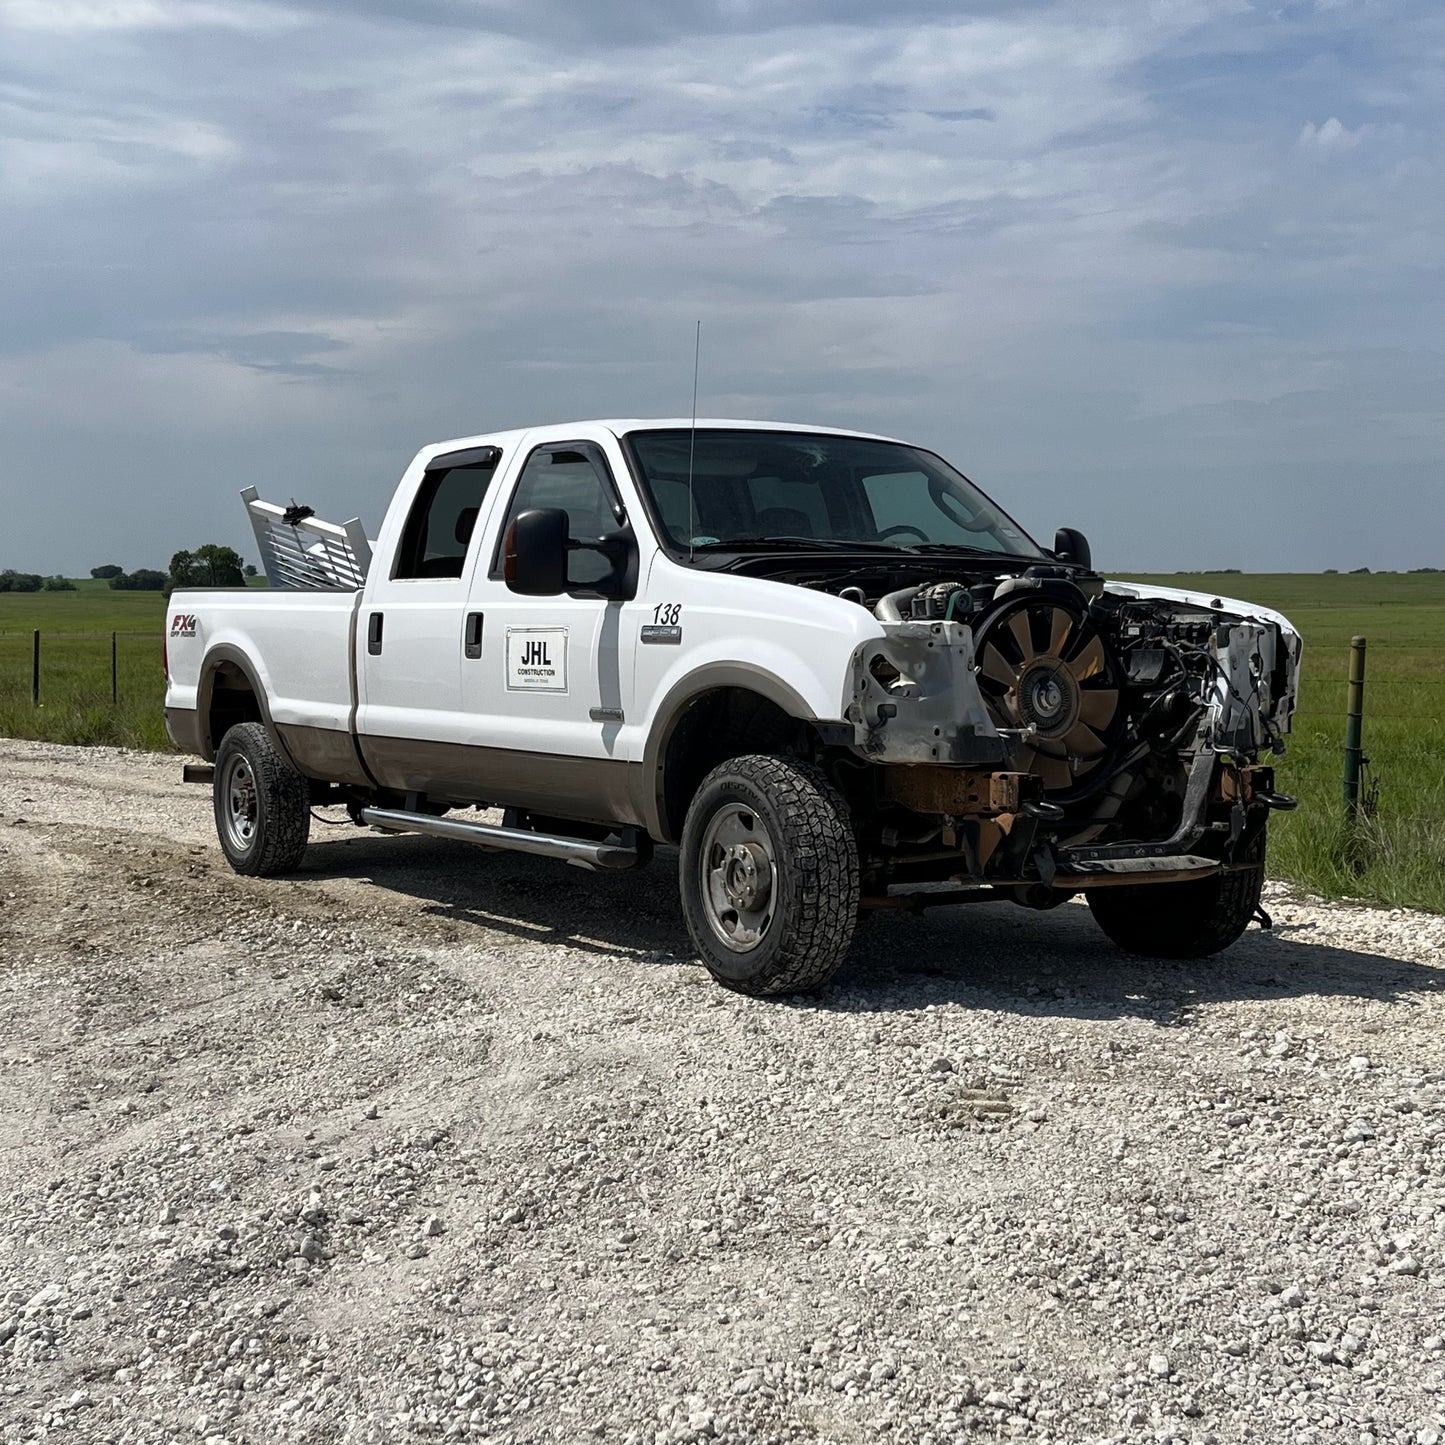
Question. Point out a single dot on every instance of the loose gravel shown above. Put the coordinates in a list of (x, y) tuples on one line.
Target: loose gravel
[(427, 1143)]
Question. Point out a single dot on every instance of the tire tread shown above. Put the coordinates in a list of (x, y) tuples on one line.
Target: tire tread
[(821, 881), (284, 822)]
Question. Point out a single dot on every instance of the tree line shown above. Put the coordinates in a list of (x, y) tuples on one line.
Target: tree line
[(207, 566)]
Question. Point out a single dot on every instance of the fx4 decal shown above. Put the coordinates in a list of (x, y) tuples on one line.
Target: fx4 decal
[(183, 625)]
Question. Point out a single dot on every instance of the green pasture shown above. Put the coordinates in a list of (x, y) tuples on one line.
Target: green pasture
[(75, 700), (1397, 856)]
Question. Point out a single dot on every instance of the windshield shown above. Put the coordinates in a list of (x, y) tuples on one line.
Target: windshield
[(760, 486)]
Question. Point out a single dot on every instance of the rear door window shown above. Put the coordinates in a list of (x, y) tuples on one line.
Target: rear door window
[(443, 517)]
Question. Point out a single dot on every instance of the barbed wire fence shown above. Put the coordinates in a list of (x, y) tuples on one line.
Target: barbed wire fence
[(41, 664)]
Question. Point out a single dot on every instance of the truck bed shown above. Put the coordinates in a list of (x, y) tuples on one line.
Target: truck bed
[(297, 646)]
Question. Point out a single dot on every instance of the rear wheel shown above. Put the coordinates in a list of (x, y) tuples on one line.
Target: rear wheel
[(1184, 920), (769, 875), (262, 804)]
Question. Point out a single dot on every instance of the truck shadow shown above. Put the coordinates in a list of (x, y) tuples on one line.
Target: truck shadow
[(995, 957)]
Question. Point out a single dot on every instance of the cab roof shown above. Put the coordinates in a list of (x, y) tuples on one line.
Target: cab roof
[(619, 427)]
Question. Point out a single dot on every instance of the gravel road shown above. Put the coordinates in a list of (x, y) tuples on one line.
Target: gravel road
[(432, 1143)]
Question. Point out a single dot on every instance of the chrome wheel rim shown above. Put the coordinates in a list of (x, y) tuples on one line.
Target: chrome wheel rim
[(739, 875), (239, 804)]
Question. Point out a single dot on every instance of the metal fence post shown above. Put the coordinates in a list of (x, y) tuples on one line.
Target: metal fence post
[(114, 681), (1354, 728), (35, 668)]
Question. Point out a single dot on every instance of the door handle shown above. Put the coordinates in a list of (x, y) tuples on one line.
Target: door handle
[(373, 634), (472, 637)]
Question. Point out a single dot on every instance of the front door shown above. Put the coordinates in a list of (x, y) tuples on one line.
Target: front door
[(549, 691)]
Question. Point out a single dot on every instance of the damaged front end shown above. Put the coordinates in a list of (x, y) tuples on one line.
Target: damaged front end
[(1051, 733)]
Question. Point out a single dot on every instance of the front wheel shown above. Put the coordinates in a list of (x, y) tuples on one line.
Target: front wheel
[(769, 875), (1184, 920), (263, 805)]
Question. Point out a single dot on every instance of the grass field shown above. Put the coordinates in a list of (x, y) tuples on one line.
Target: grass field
[(1398, 857), (75, 705)]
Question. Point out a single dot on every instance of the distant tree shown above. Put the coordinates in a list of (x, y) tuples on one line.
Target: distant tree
[(1332, 571), (13, 581), (105, 573), (249, 569), (143, 579), (208, 566), (59, 584), (1359, 571), (1416, 570)]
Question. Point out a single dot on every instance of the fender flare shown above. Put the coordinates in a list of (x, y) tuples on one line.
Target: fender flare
[(225, 652), (710, 677)]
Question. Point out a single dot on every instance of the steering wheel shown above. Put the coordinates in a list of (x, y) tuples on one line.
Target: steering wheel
[(888, 532)]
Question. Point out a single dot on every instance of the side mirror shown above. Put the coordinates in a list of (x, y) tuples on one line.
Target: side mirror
[(1072, 546), (535, 554)]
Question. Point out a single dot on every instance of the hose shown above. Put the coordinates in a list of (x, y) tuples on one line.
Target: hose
[(890, 605)]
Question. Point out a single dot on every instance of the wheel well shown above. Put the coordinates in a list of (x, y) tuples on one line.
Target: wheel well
[(233, 700), (727, 722)]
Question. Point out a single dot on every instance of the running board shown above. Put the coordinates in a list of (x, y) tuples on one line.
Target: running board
[(582, 853), (1117, 872)]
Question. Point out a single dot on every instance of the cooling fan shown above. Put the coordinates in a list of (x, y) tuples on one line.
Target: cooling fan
[(1043, 668)]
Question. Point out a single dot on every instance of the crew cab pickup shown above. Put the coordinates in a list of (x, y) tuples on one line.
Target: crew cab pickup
[(821, 663)]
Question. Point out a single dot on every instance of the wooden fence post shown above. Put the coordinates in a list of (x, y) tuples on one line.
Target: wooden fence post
[(1354, 730)]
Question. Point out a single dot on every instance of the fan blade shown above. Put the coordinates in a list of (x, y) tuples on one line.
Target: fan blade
[(1090, 660), (1024, 760), (1055, 772), (1063, 625), (1082, 741), (995, 667), (1018, 624), (1097, 707)]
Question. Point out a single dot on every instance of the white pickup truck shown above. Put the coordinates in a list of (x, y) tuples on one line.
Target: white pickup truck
[(822, 663)]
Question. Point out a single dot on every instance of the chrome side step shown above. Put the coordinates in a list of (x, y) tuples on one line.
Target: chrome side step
[(581, 852)]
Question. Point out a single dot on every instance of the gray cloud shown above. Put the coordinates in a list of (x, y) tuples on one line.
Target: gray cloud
[(1112, 263)]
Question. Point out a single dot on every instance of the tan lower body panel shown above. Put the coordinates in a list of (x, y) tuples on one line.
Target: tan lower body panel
[(324, 753), (602, 790), (183, 724)]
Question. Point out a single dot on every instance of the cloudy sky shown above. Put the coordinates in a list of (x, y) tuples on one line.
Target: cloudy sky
[(1167, 270)]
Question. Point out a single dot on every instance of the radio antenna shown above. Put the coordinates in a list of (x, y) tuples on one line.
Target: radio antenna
[(692, 446)]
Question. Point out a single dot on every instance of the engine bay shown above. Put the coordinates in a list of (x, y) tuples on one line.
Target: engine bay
[(1117, 707)]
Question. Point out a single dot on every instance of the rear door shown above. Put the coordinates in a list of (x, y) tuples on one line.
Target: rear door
[(412, 631)]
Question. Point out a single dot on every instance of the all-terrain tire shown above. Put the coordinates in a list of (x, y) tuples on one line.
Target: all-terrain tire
[(262, 804), (1184, 920), (814, 867)]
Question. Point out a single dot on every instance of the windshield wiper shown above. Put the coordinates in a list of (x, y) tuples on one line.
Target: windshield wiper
[(931, 547), (791, 544)]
